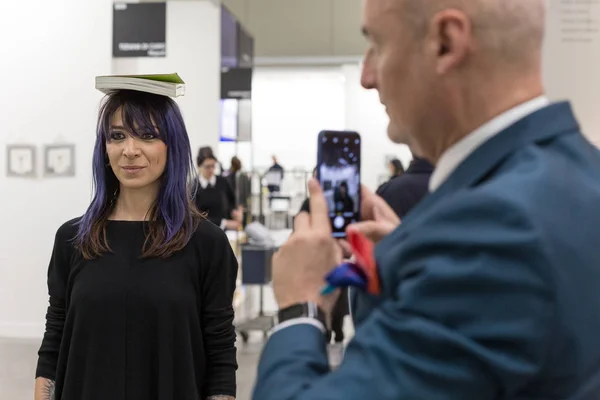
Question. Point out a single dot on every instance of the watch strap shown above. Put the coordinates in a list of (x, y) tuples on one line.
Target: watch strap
[(302, 310)]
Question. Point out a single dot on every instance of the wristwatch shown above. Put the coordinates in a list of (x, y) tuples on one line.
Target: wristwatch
[(302, 310)]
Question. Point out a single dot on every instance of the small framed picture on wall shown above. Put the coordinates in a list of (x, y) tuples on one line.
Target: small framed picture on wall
[(59, 160), (21, 161)]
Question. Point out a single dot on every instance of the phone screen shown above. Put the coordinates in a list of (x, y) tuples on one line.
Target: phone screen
[(338, 171)]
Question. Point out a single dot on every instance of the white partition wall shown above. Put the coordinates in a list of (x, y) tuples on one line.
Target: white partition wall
[(289, 108), (572, 59), (291, 105), (193, 51), (52, 52), (365, 114)]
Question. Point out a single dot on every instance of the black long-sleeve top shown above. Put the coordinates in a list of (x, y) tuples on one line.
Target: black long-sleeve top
[(406, 191), (218, 201), (124, 328)]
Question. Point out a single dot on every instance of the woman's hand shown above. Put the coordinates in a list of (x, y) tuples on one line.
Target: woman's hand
[(232, 225), (44, 389)]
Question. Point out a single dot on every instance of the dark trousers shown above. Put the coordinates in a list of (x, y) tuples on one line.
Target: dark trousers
[(340, 310)]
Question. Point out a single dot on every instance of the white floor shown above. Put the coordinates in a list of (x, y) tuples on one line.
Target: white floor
[(18, 360)]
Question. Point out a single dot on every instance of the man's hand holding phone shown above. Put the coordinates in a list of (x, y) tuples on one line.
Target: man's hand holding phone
[(378, 218), (301, 264)]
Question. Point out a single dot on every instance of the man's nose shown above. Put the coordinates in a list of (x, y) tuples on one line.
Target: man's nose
[(131, 148), (367, 77)]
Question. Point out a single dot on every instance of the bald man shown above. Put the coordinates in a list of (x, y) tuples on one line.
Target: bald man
[(490, 287)]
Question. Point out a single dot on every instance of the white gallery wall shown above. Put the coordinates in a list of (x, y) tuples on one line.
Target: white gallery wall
[(290, 105), (572, 60), (56, 48), (193, 51), (289, 108)]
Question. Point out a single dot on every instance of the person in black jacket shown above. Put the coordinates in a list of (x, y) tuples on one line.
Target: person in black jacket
[(207, 151), (214, 195), (241, 185), (403, 192), (396, 168), (342, 200), (275, 168)]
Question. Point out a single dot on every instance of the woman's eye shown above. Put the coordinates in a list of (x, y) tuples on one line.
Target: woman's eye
[(148, 136), (117, 136)]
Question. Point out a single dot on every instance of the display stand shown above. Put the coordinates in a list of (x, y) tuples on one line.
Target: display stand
[(256, 271), (295, 196)]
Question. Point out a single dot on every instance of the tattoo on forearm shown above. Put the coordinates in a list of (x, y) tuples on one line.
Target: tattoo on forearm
[(220, 397), (49, 390)]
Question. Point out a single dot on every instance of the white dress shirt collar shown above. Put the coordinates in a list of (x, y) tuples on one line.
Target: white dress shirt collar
[(456, 154), (205, 182)]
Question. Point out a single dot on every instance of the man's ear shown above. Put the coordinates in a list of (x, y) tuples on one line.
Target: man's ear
[(451, 36)]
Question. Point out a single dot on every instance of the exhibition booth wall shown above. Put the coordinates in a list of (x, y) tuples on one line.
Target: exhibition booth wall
[(57, 49)]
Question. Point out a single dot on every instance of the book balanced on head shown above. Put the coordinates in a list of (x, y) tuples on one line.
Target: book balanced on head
[(170, 85)]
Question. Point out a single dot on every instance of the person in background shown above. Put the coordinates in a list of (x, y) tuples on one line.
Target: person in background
[(207, 151), (141, 286), (241, 185), (214, 195), (396, 168), (274, 188), (488, 289), (342, 200), (407, 190)]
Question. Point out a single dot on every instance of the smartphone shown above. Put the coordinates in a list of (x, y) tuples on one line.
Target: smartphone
[(338, 171)]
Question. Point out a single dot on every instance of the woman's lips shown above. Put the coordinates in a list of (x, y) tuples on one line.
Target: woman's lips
[(132, 170)]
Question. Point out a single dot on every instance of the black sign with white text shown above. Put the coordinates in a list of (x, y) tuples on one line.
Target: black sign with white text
[(140, 30), (236, 83), (245, 48)]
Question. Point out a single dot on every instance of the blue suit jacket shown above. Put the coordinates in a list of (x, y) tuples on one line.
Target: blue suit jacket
[(491, 286)]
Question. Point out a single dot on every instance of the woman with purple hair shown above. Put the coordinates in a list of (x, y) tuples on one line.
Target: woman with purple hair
[(141, 286)]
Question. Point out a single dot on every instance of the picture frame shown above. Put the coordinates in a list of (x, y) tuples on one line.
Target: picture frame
[(59, 160), (21, 161)]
